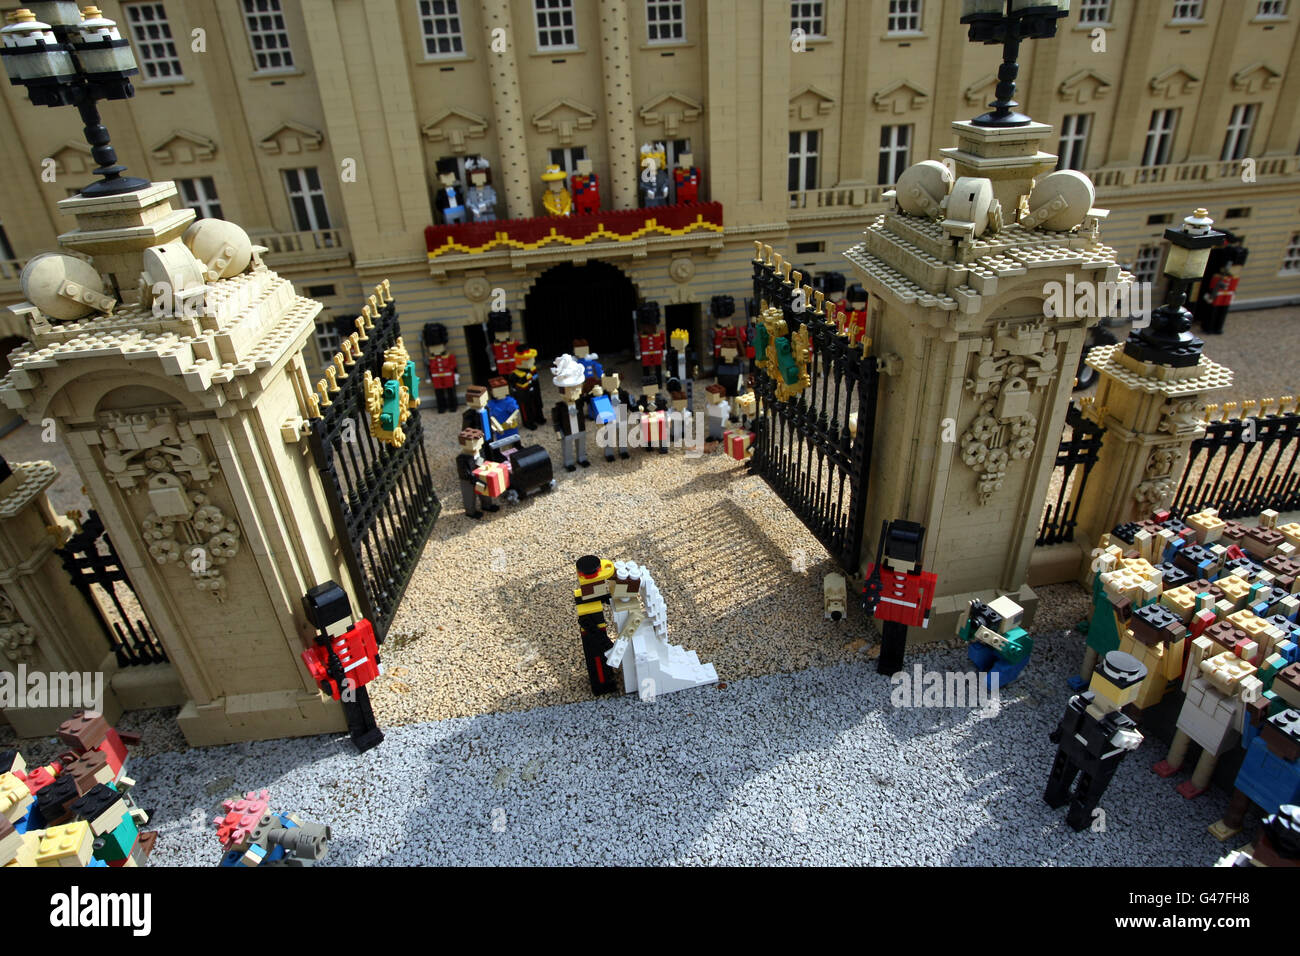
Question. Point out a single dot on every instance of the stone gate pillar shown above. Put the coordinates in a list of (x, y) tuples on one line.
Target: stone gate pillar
[(978, 371), (182, 417), (50, 640), (1152, 414)]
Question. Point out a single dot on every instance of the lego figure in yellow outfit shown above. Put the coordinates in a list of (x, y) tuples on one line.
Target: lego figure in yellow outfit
[(1155, 637), (556, 200)]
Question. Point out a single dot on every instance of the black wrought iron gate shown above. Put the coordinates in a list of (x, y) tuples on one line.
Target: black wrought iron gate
[(96, 571), (814, 449), (381, 498)]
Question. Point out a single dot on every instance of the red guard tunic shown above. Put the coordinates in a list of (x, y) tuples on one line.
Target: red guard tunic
[(904, 597), (688, 183), (442, 370), (723, 337), (652, 350), (745, 336), (841, 314), (504, 352), (855, 325), (357, 651), (1222, 289), (586, 193)]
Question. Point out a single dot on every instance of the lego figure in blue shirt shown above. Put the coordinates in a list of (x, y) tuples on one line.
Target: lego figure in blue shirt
[(503, 409), (1270, 774), (590, 366), (997, 644)]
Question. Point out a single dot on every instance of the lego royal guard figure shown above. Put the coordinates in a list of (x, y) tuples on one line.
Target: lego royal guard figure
[(650, 343), (833, 286), (1219, 284), (895, 594), (451, 198), (723, 310), (526, 388), (1219, 293), (855, 314), (442, 367), (344, 659), (686, 176), (586, 189), (504, 345)]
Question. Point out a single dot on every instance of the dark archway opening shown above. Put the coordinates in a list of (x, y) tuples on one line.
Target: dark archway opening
[(593, 302)]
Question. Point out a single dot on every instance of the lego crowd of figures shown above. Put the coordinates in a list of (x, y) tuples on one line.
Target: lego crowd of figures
[(1198, 614), (593, 405), (78, 811), (567, 193)]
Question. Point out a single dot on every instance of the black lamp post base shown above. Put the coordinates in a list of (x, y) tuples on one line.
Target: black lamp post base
[(114, 186), (1166, 341), (996, 118)]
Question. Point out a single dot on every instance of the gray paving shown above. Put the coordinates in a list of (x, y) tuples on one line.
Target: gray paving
[(815, 767)]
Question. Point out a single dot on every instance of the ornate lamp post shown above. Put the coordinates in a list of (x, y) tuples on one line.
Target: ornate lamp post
[(1168, 340), (73, 58), (1008, 22)]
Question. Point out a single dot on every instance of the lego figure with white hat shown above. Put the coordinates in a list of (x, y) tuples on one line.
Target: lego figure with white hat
[(569, 415)]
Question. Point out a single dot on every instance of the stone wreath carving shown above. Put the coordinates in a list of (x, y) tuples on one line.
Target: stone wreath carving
[(1003, 429), (1157, 487), (163, 458)]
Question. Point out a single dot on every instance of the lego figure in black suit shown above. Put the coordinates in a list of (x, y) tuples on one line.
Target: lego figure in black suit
[(654, 430), (1093, 737), (451, 197), (472, 487)]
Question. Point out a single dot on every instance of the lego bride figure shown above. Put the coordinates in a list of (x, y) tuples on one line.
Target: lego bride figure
[(651, 665)]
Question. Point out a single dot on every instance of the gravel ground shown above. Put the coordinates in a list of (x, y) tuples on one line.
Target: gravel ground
[(816, 767)]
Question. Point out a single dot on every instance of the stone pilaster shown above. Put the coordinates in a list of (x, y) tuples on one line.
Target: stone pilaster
[(620, 130), (514, 184)]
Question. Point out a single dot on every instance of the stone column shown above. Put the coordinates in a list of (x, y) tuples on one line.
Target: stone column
[(514, 183), (1151, 413), (185, 430), (47, 630), (620, 128)]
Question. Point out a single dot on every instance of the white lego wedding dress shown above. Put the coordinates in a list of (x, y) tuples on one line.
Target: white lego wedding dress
[(651, 665)]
